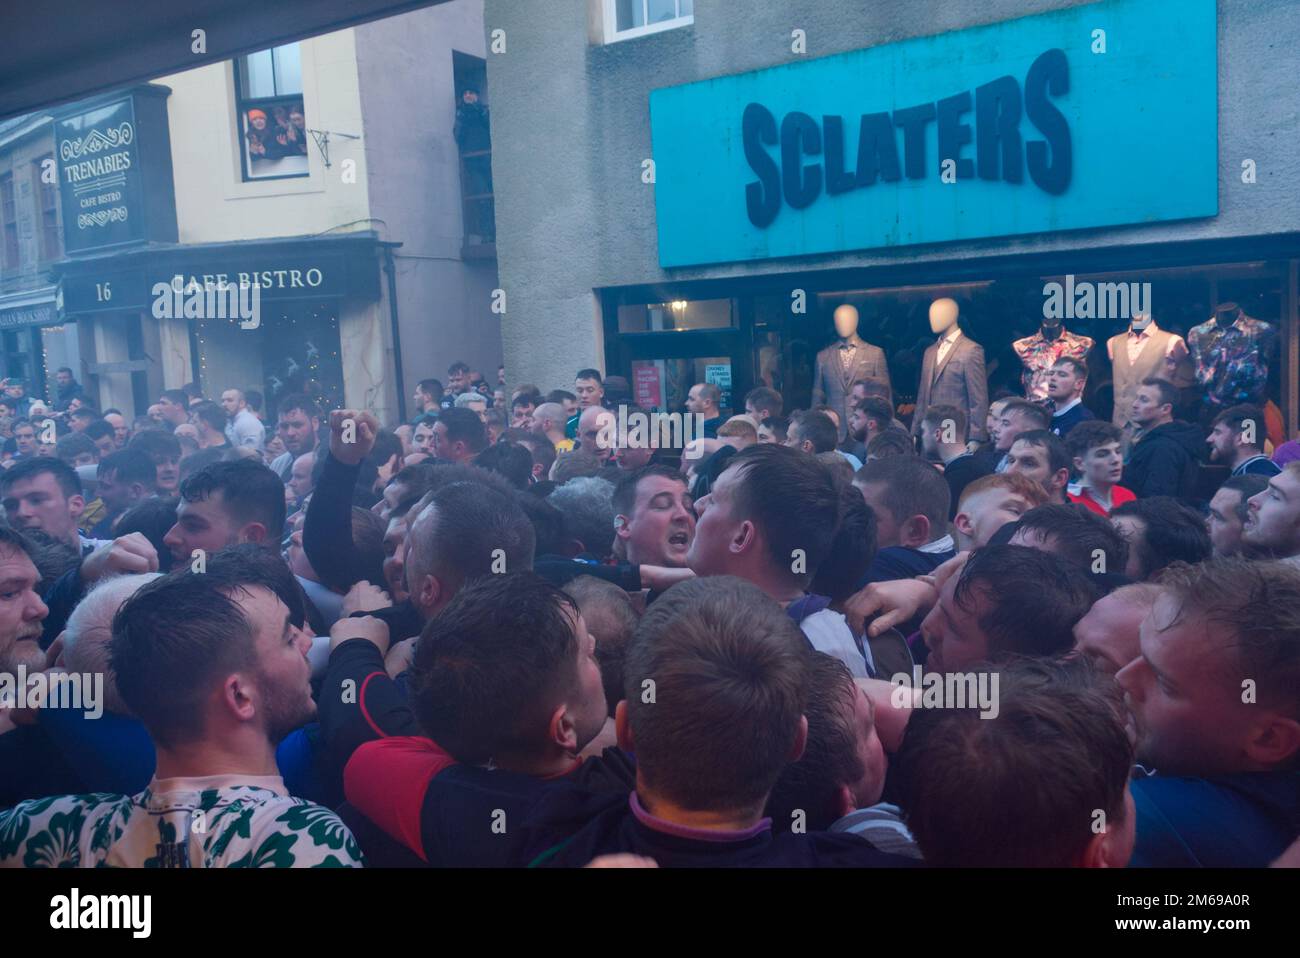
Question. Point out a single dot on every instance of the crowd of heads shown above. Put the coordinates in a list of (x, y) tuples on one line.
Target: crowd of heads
[(750, 618)]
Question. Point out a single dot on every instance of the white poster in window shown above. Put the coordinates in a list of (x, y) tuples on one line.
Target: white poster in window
[(720, 375)]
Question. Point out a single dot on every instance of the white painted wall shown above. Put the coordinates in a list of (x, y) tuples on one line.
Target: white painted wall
[(214, 204)]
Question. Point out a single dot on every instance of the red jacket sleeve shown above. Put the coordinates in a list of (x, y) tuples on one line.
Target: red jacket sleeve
[(386, 780)]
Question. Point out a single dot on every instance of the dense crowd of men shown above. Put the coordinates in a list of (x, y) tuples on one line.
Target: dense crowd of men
[(506, 634)]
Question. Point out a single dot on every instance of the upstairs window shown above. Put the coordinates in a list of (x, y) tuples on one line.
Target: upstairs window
[(625, 19), (9, 218), (51, 241), (272, 124), (474, 143)]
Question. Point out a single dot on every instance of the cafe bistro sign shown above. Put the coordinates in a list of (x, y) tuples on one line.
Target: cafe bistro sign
[(170, 291), (1095, 115)]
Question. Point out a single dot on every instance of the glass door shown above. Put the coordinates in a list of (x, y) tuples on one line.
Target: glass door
[(665, 348)]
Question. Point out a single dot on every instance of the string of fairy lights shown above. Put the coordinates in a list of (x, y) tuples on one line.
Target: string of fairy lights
[(320, 364)]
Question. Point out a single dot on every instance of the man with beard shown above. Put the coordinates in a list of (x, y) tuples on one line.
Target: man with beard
[(1237, 440), (225, 504), (1273, 523), (654, 520), (298, 429), (22, 611), (244, 428), (869, 418), (548, 420), (217, 672), (26, 767)]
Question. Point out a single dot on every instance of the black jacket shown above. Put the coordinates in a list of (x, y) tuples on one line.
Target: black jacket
[(1166, 461)]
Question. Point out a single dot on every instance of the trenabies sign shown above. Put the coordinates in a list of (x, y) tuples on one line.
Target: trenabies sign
[(99, 176), (115, 170), (1098, 115)]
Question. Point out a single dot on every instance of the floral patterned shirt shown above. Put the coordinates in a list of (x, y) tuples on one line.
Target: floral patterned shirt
[(1039, 354), (1232, 363), (219, 821)]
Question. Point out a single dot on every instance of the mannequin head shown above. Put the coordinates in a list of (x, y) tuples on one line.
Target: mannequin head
[(846, 320), (943, 315), (1226, 313)]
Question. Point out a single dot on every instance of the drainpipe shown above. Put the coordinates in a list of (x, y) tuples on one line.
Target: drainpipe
[(391, 270)]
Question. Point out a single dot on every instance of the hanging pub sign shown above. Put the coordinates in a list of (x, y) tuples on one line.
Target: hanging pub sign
[(115, 171), (1096, 115)]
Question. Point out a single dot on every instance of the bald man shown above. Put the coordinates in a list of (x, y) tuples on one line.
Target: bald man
[(596, 432), (244, 429), (1108, 632), (548, 420)]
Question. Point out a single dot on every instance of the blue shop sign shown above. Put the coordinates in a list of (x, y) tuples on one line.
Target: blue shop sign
[(1098, 115)]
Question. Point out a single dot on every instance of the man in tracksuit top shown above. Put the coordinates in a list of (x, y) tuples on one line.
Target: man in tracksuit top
[(505, 693)]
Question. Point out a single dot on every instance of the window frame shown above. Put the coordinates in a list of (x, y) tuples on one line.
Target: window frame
[(8, 206), (613, 34), (47, 208), (244, 103)]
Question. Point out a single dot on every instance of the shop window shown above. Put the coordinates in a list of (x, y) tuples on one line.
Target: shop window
[(677, 315), (272, 123), (295, 349), (16, 351), (664, 384), (51, 240), (626, 19), (9, 216)]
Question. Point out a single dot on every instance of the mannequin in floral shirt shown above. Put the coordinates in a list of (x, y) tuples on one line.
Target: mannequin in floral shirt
[(1039, 353), (1231, 351)]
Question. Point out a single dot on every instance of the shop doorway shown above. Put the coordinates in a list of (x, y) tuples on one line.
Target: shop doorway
[(666, 348), (295, 349)]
